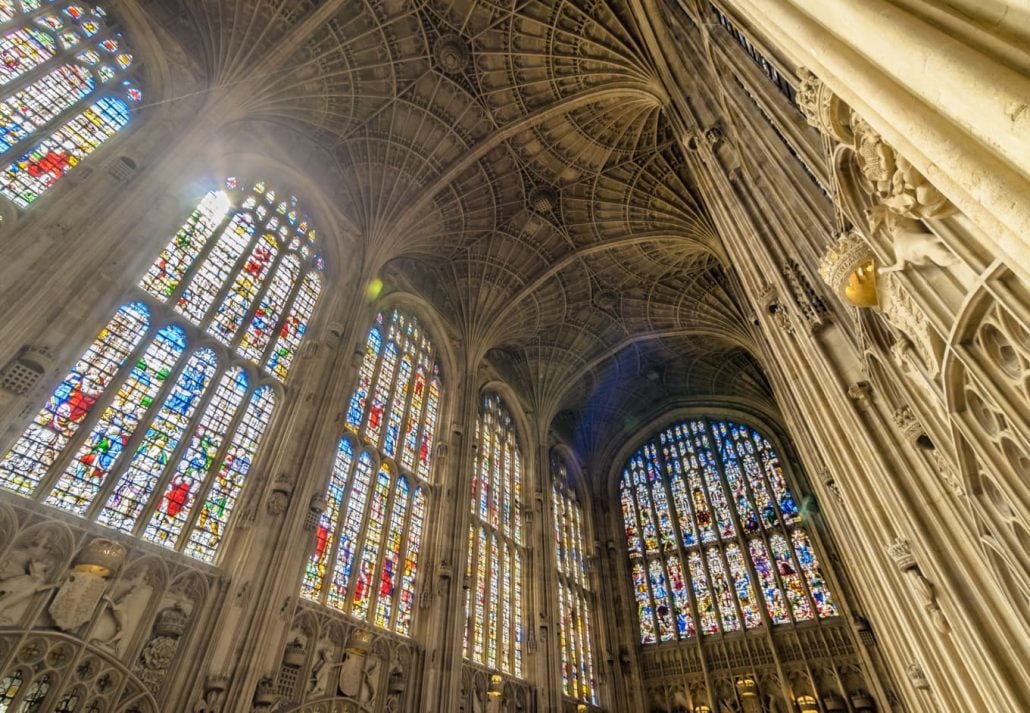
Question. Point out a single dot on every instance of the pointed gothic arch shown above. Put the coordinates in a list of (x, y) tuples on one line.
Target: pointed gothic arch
[(368, 538), (154, 429)]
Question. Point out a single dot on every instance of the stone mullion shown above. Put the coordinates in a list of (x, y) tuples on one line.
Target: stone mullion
[(262, 290), (205, 487), (549, 667), (86, 426), (720, 466), (305, 267), (665, 483), (153, 497), (402, 550), (646, 561), (763, 530), (406, 410), (366, 413), (785, 529), (363, 539), (171, 300), (734, 517), (688, 580), (445, 644), (403, 350), (334, 548), (205, 321), (512, 612), (384, 536), (129, 450)]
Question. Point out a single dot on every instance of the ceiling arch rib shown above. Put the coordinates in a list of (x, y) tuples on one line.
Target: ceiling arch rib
[(514, 163)]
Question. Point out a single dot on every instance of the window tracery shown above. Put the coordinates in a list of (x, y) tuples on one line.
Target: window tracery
[(713, 532), (494, 599), (365, 559), (575, 598), (67, 75), (151, 435)]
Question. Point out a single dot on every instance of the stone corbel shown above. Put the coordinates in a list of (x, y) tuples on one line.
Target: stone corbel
[(909, 425), (901, 552), (918, 677), (913, 432)]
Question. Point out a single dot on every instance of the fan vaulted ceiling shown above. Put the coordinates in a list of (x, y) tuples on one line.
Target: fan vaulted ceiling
[(514, 163)]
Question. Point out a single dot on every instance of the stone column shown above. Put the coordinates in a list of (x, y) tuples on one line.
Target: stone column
[(988, 182)]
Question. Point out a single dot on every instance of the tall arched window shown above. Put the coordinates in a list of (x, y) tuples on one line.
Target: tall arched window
[(493, 601), (152, 433), (575, 600), (713, 532), (66, 89), (369, 536)]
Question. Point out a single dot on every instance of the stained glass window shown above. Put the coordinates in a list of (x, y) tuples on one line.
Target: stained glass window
[(149, 432), (9, 687), (712, 531), (69, 73), (495, 617), (366, 555), (575, 598)]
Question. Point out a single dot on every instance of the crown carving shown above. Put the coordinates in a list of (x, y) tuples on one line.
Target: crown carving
[(101, 557), (906, 420), (849, 268), (901, 552), (360, 641), (171, 622)]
